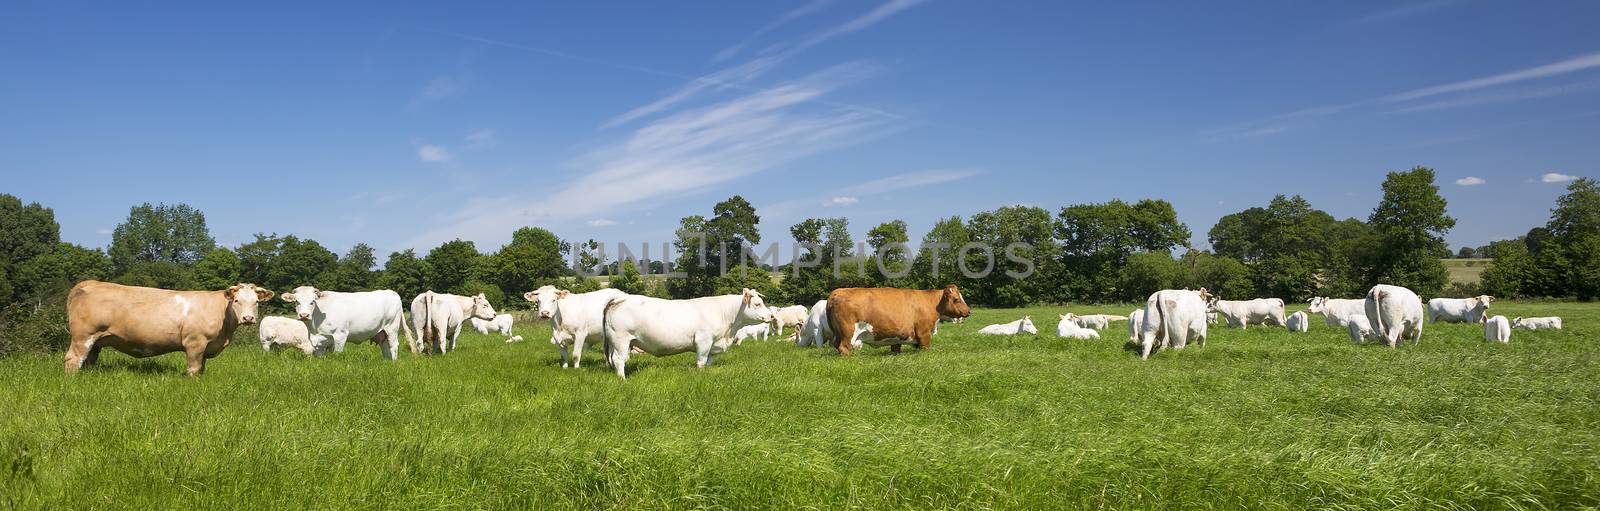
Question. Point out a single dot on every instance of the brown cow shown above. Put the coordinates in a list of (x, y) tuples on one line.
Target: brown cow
[(897, 316), (145, 322)]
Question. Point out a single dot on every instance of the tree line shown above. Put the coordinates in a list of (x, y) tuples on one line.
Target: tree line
[(1114, 251)]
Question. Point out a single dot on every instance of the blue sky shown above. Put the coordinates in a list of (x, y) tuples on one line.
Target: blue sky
[(408, 125)]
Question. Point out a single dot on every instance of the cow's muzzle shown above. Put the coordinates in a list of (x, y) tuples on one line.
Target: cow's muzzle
[(545, 314), (248, 320), (304, 317)]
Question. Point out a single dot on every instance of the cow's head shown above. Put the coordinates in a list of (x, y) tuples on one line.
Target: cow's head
[(481, 308), (242, 300), (304, 299), (754, 309), (1207, 296), (544, 299), (1027, 325), (952, 304), (1317, 303)]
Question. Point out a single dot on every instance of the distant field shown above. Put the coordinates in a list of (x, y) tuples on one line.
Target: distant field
[(1256, 419), (1467, 271)]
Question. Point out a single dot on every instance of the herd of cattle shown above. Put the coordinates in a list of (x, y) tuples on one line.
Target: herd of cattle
[(144, 322)]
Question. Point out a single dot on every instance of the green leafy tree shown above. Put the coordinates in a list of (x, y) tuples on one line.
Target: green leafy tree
[(159, 274), (698, 270), (1411, 222), (405, 274), (534, 258), (1096, 240), (628, 279), (1223, 275), (1148, 272), (217, 270), (1026, 230), (1288, 246), (255, 258), (1575, 232), (302, 262), (26, 232), (896, 260), (355, 270), (59, 270), (162, 233), (732, 225), (935, 265), (451, 265)]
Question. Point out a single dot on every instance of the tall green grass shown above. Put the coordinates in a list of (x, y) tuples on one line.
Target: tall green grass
[(1257, 419)]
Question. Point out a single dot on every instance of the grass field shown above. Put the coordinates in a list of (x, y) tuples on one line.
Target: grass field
[(1467, 271), (1257, 419)]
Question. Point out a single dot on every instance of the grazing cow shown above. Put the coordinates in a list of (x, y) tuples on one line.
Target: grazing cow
[(1337, 311), (1545, 323), (1096, 321), (760, 331), (145, 322), (1459, 310), (1171, 318), (1135, 323), (1211, 318), (1395, 314), (896, 316), (439, 318), (815, 330), (1067, 328), (276, 331), (661, 327), (1024, 325), (792, 316), (1360, 328), (575, 319), (500, 324), (1298, 322), (1497, 329), (1239, 314), (334, 318)]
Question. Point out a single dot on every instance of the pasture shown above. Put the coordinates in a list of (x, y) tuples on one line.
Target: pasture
[(1257, 419)]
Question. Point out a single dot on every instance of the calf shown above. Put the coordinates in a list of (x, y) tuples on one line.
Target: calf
[(1497, 329), (1069, 329), (751, 332), (334, 318), (1024, 325), (1171, 318), (1337, 311), (792, 316), (145, 322), (1546, 323), (897, 316), (1298, 322), (1395, 314), (1096, 321), (1135, 323), (276, 331), (661, 327), (1265, 311), (1360, 329), (1459, 310), (439, 318), (500, 324), (574, 318)]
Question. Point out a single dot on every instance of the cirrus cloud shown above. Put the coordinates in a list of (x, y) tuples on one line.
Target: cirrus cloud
[(1470, 181), (1557, 177)]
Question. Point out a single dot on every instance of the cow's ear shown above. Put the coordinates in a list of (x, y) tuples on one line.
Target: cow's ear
[(528, 296), (286, 297), (747, 293), (266, 294), (562, 293), (322, 294)]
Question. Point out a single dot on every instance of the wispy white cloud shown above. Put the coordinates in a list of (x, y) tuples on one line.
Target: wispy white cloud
[(434, 153), (1470, 181), (1557, 177), (789, 16), (601, 222), (854, 193), (842, 200), (685, 152), (730, 77), (103, 232), (1502, 97), (440, 87), (1572, 65), (1401, 11), (882, 12), (480, 139)]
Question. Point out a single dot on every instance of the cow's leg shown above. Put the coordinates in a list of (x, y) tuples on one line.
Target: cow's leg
[(387, 344), (845, 337), (195, 350), (702, 350), (339, 339), (577, 346), (94, 356), (894, 349), (619, 350), (1147, 344), (925, 336)]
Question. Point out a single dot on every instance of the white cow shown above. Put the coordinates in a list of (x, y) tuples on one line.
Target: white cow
[(1337, 311), (500, 324), (1264, 311), (1172, 317), (1069, 329), (285, 332), (1360, 329), (1298, 322), (1459, 310), (1096, 321), (815, 331), (333, 318), (1024, 325), (1497, 329), (439, 319), (760, 331), (575, 319), (1135, 323), (1395, 314), (793, 316), (1545, 323), (661, 327)]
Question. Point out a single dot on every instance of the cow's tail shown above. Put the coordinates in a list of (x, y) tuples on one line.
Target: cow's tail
[(1169, 321), (411, 340), (427, 334), (1377, 298), (605, 325)]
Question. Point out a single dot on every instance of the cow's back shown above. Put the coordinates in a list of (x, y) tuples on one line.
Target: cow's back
[(143, 321), (362, 314), (893, 313)]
